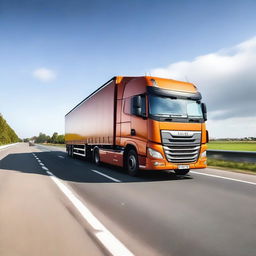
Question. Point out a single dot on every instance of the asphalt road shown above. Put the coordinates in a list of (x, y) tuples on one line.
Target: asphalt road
[(91, 210)]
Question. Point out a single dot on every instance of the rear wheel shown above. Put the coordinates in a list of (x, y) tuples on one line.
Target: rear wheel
[(181, 171), (96, 156), (131, 162)]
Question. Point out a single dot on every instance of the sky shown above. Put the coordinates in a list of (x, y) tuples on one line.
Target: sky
[(55, 53)]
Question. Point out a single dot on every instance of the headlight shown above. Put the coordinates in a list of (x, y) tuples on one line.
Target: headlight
[(203, 154), (154, 153)]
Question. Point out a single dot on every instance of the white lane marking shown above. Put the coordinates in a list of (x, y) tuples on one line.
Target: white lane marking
[(90, 218), (61, 156), (40, 162), (45, 168), (112, 243), (50, 173), (8, 145), (105, 175), (225, 178), (109, 241)]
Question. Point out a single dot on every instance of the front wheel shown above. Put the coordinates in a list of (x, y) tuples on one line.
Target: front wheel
[(181, 171), (132, 162)]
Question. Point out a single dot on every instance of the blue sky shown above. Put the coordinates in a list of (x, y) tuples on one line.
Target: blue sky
[(54, 53)]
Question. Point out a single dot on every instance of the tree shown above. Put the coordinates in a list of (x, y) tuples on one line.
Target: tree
[(54, 137), (61, 139), (7, 134), (42, 138)]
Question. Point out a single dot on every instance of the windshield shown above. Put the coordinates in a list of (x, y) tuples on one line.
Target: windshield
[(164, 106)]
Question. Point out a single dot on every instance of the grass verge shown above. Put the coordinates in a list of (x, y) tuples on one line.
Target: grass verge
[(232, 145), (233, 166)]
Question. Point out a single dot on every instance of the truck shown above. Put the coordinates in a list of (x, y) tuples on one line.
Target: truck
[(140, 123)]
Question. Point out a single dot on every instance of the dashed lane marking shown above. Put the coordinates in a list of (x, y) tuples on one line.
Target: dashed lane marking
[(106, 176)]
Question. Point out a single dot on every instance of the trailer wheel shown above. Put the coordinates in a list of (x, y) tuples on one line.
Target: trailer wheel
[(96, 156), (132, 162), (181, 171)]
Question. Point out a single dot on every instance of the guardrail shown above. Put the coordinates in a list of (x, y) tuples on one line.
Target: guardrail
[(237, 156)]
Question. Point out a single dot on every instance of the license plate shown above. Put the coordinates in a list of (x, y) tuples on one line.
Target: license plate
[(183, 166)]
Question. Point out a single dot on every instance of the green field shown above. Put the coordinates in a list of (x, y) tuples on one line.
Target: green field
[(235, 166), (233, 145)]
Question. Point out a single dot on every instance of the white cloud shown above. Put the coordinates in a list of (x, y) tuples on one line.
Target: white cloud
[(44, 74), (237, 127), (227, 81)]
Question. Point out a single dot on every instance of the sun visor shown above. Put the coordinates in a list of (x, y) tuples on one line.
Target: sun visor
[(174, 94)]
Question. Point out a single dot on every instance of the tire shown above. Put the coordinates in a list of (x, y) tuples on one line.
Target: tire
[(181, 171), (96, 156), (132, 162), (69, 151)]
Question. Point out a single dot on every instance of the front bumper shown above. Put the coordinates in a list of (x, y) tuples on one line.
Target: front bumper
[(163, 164)]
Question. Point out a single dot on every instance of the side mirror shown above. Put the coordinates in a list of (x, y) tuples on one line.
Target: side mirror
[(137, 105), (204, 110)]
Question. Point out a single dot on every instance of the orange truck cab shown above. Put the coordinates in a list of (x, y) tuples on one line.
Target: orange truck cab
[(140, 123)]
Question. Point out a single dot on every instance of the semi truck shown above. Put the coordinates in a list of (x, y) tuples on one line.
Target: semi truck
[(140, 123)]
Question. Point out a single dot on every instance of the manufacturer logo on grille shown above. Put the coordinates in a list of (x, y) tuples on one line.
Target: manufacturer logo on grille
[(182, 133)]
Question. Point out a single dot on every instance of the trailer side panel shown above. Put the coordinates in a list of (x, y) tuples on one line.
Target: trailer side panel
[(92, 121)]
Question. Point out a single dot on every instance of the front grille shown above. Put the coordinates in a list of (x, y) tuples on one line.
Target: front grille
[(181, 146)]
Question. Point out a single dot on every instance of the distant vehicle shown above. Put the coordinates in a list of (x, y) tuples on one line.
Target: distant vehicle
[(145, 123), (31, 143)]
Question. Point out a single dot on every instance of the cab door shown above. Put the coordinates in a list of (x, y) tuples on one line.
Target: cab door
[(125, 119), (139, 122)]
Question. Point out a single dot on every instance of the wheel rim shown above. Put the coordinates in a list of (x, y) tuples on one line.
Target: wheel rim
[(132, 162)]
